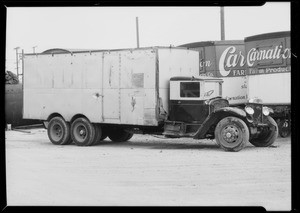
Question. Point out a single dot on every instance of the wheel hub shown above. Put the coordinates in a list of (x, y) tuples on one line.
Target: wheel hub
[(230, 134), (81, 132)]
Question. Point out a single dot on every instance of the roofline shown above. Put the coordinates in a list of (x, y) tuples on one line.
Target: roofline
[(70, 51), (192, 78), (265, 36), (212, 43)]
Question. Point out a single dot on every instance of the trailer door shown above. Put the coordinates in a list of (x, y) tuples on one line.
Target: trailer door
[(111, 87)]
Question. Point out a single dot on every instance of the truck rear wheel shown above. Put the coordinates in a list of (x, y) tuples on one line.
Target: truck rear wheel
[(268, 136), (232, 134), (59, 131), (83, 133), (98, 134), (119, 135)]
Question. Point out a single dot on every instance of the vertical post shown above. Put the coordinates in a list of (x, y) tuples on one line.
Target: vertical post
[(222, 24), (17, 61), (137, 32), (22, 63)]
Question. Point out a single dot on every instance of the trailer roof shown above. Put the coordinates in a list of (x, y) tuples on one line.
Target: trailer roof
[(192, 78), (211, 43), (268, 36), (71, 51)]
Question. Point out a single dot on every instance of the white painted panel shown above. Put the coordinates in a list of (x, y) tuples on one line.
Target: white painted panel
[(111, 108), (63, 83), (211, 90), (234, 89), (132, 109), (138, 106), (175, 62), (111, 69), (67, 102), (272, 89), (38, 72), (138, 69)]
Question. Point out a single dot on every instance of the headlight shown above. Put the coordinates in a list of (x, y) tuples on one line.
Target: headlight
[(266, 111), (249, 110), (255, 100)]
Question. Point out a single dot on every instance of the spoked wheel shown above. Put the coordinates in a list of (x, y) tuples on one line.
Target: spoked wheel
[(59, 131), (83, 132), (232, 134), (119, 135), (268, 136)]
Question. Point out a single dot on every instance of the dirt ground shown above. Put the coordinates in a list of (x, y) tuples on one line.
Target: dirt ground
[(146, 171)]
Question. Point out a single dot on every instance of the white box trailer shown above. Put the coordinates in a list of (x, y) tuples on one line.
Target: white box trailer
[(269, 74), (129, 87)]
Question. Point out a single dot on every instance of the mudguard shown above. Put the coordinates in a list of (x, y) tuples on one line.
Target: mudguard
[(215, 117)]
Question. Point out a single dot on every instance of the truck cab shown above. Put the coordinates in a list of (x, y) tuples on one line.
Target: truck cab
[(191, 101), (197, 110), (188, 98)]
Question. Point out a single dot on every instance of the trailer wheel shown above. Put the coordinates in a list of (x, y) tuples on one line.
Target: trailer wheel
[(83, 132), (129, 136), (268, 136), (119, 135), (98, 134), (232, 134), (103, 136), (59, 131), (284, 128)]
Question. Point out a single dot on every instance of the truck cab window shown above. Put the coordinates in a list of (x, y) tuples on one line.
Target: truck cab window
[(189, 89)]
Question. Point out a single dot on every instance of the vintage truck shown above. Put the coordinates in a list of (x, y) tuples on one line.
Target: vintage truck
[(86, 96)]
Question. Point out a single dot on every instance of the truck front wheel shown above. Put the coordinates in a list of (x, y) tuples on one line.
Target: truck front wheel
[(119, 135), (83, 132), (232, 134), (59, 131), (268, 136)]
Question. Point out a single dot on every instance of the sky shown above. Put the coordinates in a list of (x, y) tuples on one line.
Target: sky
[(115, 27)]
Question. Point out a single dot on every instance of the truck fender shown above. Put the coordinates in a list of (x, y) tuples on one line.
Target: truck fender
[(215, 117)]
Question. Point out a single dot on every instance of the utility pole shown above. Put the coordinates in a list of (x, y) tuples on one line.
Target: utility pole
[(17, 60), (137, 32), (34, 48), (222, 24)]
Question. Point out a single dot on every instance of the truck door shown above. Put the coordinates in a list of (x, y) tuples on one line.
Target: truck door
[(187, 102)]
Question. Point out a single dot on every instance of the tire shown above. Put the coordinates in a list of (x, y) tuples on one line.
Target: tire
[(129, 136), (232, 134), (83, 133), (284, 128), (103, 136), (98, 134), (119, 135), (267, 138), (59, 131)]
